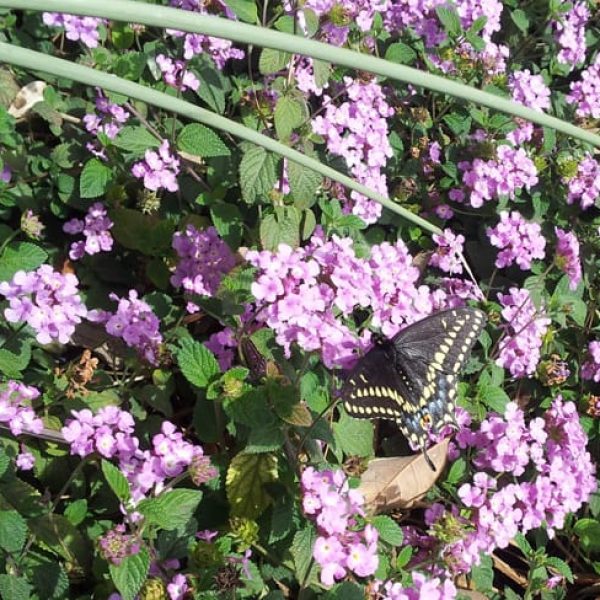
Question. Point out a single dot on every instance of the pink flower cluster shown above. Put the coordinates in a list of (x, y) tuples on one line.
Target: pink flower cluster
[(519, 241), (135, 323), (341, 545), (108, 119), (110, 433), (203, 260), (422, 588), (115, 545), (585, 93), (485, 180), (84, 29), (524, 330), (304, 293), (585, 186), (158, 169), (96, 229), (47, 301), (570, 34), (529, 90), (567, 256), (447, 255), (590, 369), (357, 130), (176, 73), (15, 408)]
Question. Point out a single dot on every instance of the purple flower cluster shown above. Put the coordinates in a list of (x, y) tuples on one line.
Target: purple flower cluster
[(524, 330), (422, 588), (585, 186), (567, 256), (485, 180), (85, 29), (357, 130), (5, 174), (108, 118), (519, 241), (15, 408), (590, 369), (115, 545), (342, 545), (110, 433), (585, 93), (447, 255), (135, 323), (529, 90), (203, 260), (47, 301), (570, 34), (158, 169), (176, 73), (219, 49), (95, 227), (303, 294)]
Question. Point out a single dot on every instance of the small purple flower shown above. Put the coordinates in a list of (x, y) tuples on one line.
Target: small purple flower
[(530, 90), (15, 408), (585, 186), (158, 169), (96, 229), (109, 118), (585, 93), (447, 255), (570, 34), (567, 256), (25, 461), (176, 73), (84, 29), (5, 174), (178, 587)]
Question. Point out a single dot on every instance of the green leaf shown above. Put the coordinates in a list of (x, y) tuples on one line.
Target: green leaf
[(14, 588), (321, 72), (147, 234), (13, 530), (400, 53), (301, 550), (135, 139), (561, 566), (272, 61), (12, 364), (171, 509), (450, 20), (247, 476), (457, 471), (404, 557), (265, 438), (212, 86), (389, 531), (76, 511), (309, 223), (483, 574), (130, 574), (494, 397), (197, 363), (281, 227), (20, 256), (588, 531), (116, 480), (288, 115), (244, 10), (201, 141), (50, 580), (354, 436), (304, 183), (258, 173), (345, 591), (228, 222), (94, 179), (122, 35), (520, 19)]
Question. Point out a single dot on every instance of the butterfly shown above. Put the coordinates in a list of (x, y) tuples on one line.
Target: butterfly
[(411, 378)]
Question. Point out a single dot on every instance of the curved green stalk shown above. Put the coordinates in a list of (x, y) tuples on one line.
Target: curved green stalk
[(37, 61), (162, 16)]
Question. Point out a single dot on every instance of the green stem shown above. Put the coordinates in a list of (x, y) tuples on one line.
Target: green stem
[(172, 18), (38, 61)]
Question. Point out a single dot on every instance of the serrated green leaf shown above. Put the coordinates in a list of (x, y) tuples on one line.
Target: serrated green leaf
[(493, 397), (400, 53), (304, 183), (389, 530), (14, 588), (520, 19), (321, 72), (171, 509), (20, 256), (130, 574), (135, 139), (450, 20), (94, 179), (12, 364), (212, 87), (483, 574), (116, 480), (457, 471), (201, 141), (404, 557), (50, 581), (258, 173), (309, 223), (244, 10), (288, 116), (272, 61), (228, 222), (301, 550), (588, 531), (13, 530), (354, 436), (247, 476), (265, 438), (145, 233), (345, 591), (561, 566), (281, 227), (197, 363), (76, 511)]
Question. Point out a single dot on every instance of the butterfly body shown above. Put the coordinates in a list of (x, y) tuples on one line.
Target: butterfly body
[(411, 378)]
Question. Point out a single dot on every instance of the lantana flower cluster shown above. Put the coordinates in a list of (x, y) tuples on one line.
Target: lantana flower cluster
[(519, 241), (357, 130), (590, 369), (204, 258), (524, 330), (47, 301), (342, 544), (570, 34), (585, 93), (530, 90), (108, 119), (109, 432), (422, 588), (584, 187), (567, 256), (447, 255), (486, 180), (95, 227), (116, 544), (15, 408), (84, 29), (159, 169), (177, 74)]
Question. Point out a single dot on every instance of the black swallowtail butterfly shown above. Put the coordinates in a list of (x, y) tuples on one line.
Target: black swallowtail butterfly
[(411, 378)]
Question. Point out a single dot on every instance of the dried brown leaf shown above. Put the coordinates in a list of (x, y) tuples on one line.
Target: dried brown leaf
[(399, 482), (26, 98)]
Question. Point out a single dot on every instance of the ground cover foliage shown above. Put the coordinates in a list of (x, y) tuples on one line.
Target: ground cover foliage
[(179, 307)]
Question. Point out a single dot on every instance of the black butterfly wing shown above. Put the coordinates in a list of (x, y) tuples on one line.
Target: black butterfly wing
[(412, 378)]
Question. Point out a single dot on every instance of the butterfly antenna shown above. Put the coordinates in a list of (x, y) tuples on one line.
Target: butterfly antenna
[(428, 460)]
